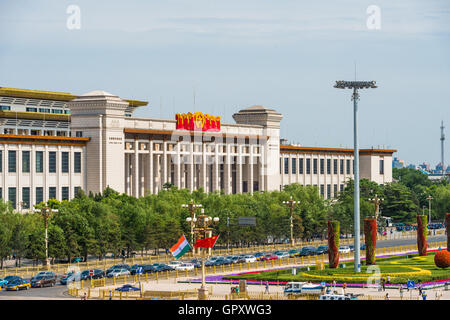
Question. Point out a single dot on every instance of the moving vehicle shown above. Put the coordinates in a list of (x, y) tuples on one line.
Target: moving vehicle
[(294, 288), (119, 266), (294, 253), (259, 255), (283, 255), (70, 277), (196, 262), (174, 264), (18, 284), (3, 282), (42, 281)]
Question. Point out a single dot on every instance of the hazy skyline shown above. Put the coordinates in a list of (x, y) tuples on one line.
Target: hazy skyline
[(285, 55)]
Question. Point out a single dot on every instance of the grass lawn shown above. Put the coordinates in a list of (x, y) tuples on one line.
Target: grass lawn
[(400, 269)]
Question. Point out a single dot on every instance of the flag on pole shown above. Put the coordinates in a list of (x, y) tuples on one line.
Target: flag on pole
[(180, 248), (206, 243)]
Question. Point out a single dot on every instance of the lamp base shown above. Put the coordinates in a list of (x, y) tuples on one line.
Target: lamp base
[(203, 293)]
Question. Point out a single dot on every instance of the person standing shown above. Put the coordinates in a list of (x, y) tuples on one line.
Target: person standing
[(401, 292), (267, 287)]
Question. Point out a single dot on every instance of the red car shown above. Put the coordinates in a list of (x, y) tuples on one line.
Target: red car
[(269, 256)]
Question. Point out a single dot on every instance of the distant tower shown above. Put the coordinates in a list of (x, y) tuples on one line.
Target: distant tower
[(442, 148)]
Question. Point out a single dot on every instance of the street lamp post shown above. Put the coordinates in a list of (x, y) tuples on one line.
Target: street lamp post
[(191, 206), (291, 204), (429, 198), (46, 213), (355, 85), (202, 230)]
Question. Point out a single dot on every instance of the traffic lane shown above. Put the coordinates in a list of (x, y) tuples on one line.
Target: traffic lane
[(404, 242), (57, 292)]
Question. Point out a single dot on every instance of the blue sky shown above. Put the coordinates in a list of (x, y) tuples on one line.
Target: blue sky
[(283, 54)]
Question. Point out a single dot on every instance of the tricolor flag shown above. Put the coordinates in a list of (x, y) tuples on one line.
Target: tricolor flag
[(206, 243), (180, 248)]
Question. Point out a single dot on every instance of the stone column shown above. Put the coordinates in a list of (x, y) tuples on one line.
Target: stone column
[(136, 169)]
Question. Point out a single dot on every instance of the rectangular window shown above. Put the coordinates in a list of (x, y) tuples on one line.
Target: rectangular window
[(52, 193), (1, 160), (52, 161), (335, 166), (286, 165), (11, 161), (77, 162), (348, 166), (45, 110), (12, 196), (328, 191), (5, 108), (341, 187), (335, 191), (25, 161), (322, 166), (322, 191), (78, 134), (75, 191), (29, 109), (381, 166), (65, 193), (315, 166), (328, 166), (64, 162), (39, 161), (341, 166), (1, 193), (39, 195), (353, 167), (308, 166), (300, 165), (294, 166), (25, 198)]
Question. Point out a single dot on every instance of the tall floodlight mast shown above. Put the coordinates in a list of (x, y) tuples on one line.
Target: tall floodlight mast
[(355, 85), (442, 148)]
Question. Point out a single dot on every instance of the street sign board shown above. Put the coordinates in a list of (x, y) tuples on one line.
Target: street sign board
[(139, 270), (411, 284), (247, 221), (91, 272)]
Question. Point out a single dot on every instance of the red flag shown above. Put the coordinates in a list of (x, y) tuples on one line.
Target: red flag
[(206, 243)]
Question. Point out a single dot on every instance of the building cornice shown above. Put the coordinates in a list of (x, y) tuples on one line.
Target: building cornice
[(43, 140)]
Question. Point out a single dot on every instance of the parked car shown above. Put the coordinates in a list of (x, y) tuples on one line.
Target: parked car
[(174, 264), (283, 255), (196, 262), (18, 284), (222, 261), (11, 278), (308, 251), (98, 274), (185, 266), (259, 255), (322, 249), (3, 282), (293, 253), (344, 249), (78, 259), (161, 268), (249, 259), (42, 281), (46, 273), (118, 266), (118, 273), (269, 256)]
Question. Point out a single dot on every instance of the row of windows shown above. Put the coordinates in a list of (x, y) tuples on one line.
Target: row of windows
[(315, 168), (335, 190), (39, 160), (39, 195), (48, 110)]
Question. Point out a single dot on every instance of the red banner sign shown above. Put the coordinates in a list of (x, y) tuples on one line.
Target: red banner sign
[(197, 122)]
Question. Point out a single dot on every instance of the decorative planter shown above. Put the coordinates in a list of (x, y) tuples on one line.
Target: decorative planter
[(370, 233), (447, 223), (442, 259), (333, 243), (422, 221)]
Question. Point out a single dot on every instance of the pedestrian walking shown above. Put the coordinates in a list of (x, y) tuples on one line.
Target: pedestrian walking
[(84, 297), (388, 279), (267, 287), (401, 292), (344, 286), (383, 284), (387, 296), (424, 295)]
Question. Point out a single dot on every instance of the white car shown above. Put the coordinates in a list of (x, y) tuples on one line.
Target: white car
[(184, 266), (249, 258), (175, 264), (118, 272), (283, 255), (344, 249)]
